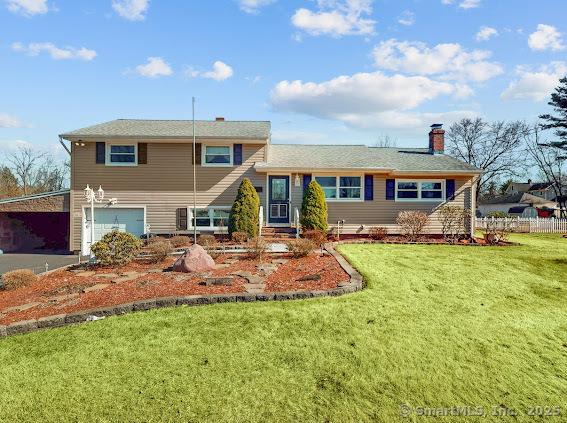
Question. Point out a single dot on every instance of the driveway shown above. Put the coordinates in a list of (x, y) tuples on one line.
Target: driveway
[(35, 262)]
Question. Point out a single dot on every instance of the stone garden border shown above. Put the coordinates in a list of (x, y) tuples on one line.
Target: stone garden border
[(355, 283)]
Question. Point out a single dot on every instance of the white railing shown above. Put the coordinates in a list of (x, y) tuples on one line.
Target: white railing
[(296, 222), (524, 224), (260, 220)]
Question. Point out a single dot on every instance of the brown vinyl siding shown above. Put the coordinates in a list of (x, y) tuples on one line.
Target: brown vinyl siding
[(162, 185), (359, 216)]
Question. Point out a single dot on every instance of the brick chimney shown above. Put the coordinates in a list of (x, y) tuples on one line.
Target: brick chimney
[(437, 139), (219, 119)]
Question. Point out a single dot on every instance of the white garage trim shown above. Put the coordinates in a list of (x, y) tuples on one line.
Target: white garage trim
[(85, 247)]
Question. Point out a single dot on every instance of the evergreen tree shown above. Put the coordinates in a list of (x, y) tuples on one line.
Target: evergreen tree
[(244, 212), (559, 122), (314, 208)]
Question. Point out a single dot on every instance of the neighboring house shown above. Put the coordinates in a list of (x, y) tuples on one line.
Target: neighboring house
[(147, 166), (523, 199), (35, 222)]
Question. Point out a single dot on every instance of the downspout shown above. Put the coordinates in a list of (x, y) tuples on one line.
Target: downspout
[(64, 146)]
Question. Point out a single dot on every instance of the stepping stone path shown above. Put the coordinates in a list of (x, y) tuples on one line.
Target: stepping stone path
[(226, 280), (86, 274), (22, 307), (222, 265), (280, 261), (96, 287), (128, 276), (108, 275), (255, 283), (60, 298), (266, 268)]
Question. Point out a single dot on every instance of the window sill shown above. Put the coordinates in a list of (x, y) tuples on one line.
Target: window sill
[(121, 164), (414, 200), (217, 165)]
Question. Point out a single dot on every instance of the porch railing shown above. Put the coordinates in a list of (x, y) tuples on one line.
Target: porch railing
[(260, 220)]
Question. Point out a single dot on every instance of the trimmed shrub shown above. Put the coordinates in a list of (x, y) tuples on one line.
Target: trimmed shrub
[(239, 237), (453, 221), (301, 247), (314, 208), (244, 212), (156, 238), (159, 251), (412, 223), (317, 236), (377, 233), (17, 279), (180, 241), (206, 241), (116, 248), (257, 247), (497, 214)]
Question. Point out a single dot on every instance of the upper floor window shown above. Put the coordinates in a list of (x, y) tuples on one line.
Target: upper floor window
[(341, 187), (419, 190), (121, 155), (216, 155)]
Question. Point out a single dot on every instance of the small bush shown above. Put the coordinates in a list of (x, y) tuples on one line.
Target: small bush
[(453, 221), (239, 237), (245, 210), (257, 248), (159, 251), (180, 241), (314, 208), (116, 248), (18, 278), (206, 241), (301, 247), (377, 233), (412, 223), (317, 236)]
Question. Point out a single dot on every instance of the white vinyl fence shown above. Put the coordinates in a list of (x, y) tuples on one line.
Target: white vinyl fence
[(524, 224)]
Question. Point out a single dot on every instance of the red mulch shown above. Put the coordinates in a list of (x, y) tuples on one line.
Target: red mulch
[(153, 285)]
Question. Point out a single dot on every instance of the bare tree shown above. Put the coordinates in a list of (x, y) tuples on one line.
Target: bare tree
[(385, 140), (550, 164), (494, 147), (35, 171)]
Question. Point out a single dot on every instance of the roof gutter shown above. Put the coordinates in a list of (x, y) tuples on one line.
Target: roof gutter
[(261, 167), (74, 137)]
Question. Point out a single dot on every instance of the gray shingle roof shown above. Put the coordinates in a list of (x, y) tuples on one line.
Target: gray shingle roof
[(294, 156), (139, 128)]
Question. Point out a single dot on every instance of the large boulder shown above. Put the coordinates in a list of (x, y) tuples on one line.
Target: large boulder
[(195, 259)]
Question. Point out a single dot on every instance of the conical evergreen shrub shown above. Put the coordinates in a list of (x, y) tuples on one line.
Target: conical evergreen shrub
[(244, 212), (314, 208)]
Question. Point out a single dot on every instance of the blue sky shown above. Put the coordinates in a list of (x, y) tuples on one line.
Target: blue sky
[(326, 71)]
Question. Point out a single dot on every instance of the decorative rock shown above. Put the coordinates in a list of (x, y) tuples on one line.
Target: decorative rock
[(51, 321), (181, 278), (86, 273), (266, 268), (195, 259), (227, 280), (96, 287), (306, 278)]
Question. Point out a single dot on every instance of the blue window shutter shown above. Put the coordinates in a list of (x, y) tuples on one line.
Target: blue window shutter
[(368, 187), (450, 189), (237, 154), (306, 180), (390, 189), (100, 152)]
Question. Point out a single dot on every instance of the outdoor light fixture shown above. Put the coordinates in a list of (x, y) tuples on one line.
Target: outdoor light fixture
[(95, 197), (297, 180)]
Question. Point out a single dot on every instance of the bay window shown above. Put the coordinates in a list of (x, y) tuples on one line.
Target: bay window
[(416, 190), (343, 188)]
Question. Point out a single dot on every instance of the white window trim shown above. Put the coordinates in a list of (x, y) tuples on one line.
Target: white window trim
[(211, 216), (337, 187), (107, 151), (419, 199), (204, 154)]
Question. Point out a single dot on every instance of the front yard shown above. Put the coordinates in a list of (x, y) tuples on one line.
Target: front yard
[(437, 326)]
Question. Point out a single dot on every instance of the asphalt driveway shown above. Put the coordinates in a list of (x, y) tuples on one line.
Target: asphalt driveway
[(35, 262)]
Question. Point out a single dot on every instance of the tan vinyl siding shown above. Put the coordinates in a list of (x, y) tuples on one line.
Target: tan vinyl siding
[(162, 185), (359, 216)]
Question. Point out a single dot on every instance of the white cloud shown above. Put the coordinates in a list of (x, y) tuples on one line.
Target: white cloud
[(133, 10), (57, 53), (469, 4), (27, 7), (407, 18), (336, 18), (486, 33), (450, 61), (535, 84), (155, 67), (8, 121), (363, 99), (220, 72), (547, 37), (253, 6)]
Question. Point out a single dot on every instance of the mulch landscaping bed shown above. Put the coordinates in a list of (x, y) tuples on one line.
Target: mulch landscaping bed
[(70, 290)]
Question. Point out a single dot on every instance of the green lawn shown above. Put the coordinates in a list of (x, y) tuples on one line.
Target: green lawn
[(437, 326)]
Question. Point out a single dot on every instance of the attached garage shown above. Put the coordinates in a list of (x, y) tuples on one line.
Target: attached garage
[(108, 219), (38, 222)]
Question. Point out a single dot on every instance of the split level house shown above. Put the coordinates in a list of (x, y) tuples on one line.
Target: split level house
[(146, 166)]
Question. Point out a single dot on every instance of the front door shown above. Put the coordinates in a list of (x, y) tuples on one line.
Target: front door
[(278, 205)]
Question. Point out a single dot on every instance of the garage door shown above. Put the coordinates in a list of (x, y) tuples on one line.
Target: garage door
[(110, 219)]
